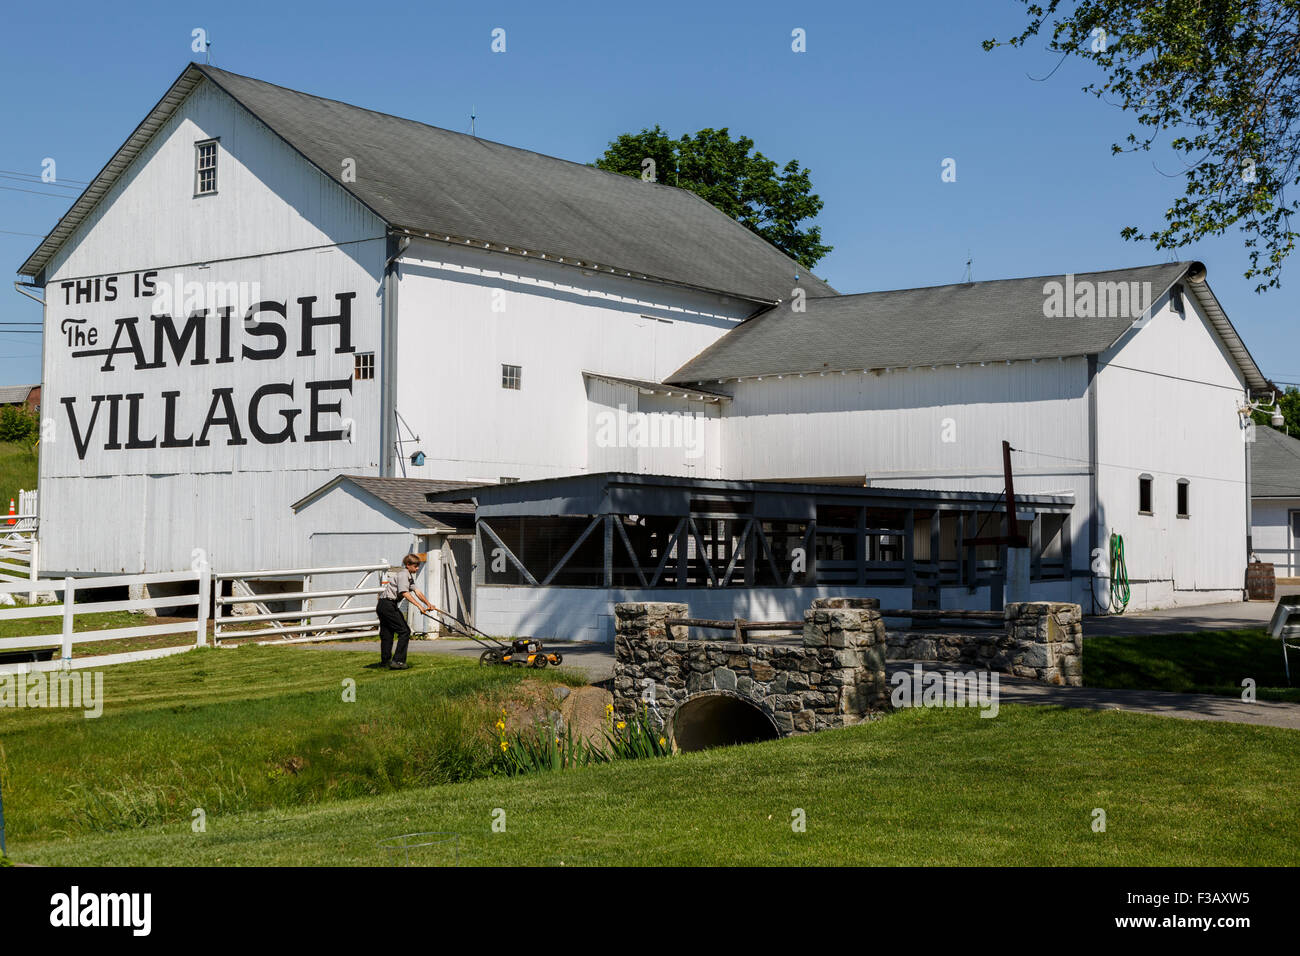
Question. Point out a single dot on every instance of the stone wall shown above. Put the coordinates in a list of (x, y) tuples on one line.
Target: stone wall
[(834, 677), (1041, 641)]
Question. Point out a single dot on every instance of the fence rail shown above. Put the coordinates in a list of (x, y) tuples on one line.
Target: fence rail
[(69, 609), (303, 623)]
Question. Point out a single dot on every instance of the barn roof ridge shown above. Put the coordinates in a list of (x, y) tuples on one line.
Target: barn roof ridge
[(421, 178)]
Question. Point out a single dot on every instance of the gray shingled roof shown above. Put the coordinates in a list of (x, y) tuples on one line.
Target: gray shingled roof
[(638, 383), (436, 181), (409, 496), (14, 394), (941, 325), (1274, 464)]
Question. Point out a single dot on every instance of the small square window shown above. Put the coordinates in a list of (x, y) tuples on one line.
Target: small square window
[(205, 167), (508, 481), (512, 376), (363, 366), (1184, 498), (1144, 495)]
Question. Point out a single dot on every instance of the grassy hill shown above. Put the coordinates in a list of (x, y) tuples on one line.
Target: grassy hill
[(17, 470), (287, 774)]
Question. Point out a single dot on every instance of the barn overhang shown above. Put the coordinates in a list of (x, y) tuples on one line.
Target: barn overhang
[(656, 531)]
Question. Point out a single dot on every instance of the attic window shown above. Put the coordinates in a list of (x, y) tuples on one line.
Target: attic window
[(512, 376), (1184, 495), (363, 366), (205, 167)]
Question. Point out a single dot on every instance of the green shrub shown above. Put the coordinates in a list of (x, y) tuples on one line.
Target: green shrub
[(18, 425)]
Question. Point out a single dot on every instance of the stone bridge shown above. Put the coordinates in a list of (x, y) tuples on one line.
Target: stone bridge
[(711, 693)]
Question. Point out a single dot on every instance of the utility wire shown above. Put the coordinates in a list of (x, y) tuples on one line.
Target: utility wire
[(1106, 464), (14, 172), (35, 192)]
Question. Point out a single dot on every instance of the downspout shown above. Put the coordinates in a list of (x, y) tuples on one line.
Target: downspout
[(1093, 508), (388, 357), (24, 286)]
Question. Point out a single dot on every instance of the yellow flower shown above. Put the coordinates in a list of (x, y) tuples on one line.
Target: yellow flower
[(609, 708), (501, 725), (620, 725), (662, 741), (504, 746)]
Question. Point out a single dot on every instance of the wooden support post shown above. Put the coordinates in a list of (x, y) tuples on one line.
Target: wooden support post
[(751, 551), (1036, 547), (1067, 549), (936, 550), (909, 547), (69, 600), (609, 551), (739, 631), (972, 553), (216, 614), (205, 595), (961, 547), (864, 543), (33, 563)]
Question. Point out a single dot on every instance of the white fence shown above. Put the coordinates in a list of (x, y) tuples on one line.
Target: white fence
[(19, 559), (69, 610), (324, 613), (334, 609)]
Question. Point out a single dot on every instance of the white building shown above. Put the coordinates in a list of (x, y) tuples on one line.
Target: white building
[(1275, 500), (264, 291)]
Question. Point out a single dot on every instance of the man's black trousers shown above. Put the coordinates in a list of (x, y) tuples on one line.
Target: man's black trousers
[(392, 622)]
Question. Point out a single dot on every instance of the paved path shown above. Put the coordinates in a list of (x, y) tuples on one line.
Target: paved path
[(597, 661), (1179, 620), (1016, 690)]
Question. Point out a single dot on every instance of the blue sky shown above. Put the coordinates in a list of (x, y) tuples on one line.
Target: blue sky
[(884, 93)]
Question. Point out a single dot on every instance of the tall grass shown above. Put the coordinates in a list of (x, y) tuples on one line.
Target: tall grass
[(254, 728)]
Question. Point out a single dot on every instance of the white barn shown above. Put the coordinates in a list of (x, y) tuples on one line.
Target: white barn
[(267, 298), (1275, 500)]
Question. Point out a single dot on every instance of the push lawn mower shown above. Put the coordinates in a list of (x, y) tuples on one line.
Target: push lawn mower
[(519, 653)]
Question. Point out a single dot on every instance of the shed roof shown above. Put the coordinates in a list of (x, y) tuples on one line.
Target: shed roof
[(408, 496), (446, 184), (1274, 464), (990, 321), (14, 394)]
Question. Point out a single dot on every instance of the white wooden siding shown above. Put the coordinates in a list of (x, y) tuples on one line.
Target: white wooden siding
[(1167, 399), (553, 321), (277, 227)]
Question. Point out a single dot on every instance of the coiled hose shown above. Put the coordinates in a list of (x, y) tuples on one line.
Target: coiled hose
[(1119, 589)]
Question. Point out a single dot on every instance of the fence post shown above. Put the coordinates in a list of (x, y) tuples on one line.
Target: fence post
[(205, 589), (216, 611), (69, 596), (32, 572)]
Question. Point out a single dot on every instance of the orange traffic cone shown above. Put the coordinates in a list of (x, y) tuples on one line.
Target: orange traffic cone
[(12, 512)]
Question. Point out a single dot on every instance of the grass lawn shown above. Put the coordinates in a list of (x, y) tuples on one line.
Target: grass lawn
[(1206, 662), (53, 624), (288, 774), (17, 470), (255, 727)]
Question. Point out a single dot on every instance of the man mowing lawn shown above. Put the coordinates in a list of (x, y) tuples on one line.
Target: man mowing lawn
[(398, 587)]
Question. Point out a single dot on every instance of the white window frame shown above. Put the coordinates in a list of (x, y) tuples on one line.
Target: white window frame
[(200, 169), (1151, 484), (507, 376)]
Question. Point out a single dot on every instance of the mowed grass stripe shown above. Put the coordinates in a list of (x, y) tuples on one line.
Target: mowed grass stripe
[(925, 787)]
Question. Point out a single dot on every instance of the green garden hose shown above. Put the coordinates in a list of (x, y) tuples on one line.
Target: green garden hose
[(1119, 589)]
